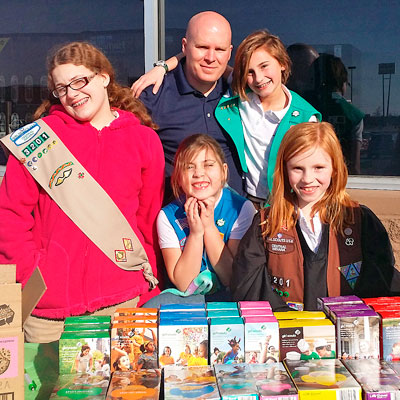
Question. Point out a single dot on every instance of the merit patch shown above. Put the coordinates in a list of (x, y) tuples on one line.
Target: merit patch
[(282, 243)]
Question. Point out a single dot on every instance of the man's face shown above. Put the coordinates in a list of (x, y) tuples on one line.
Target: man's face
[(207, 48)]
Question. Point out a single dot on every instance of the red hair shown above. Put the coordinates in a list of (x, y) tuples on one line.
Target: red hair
[(335, 207)]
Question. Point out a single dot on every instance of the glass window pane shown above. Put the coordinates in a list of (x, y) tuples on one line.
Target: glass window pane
[(363, 35), (30, 29)]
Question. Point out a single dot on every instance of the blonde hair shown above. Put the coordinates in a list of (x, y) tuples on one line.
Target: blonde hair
[(83, 53), (272, 44), (335, 207), (187, 150)]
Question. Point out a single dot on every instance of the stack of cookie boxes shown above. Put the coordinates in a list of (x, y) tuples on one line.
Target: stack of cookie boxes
[(12, 316)]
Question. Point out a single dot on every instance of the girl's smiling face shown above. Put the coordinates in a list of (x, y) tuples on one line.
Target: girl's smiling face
[(264, 77), (203, 176), (309, 175), (124, 363), (88, 104)]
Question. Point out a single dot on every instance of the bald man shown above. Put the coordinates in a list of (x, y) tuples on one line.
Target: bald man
[(186, 100)]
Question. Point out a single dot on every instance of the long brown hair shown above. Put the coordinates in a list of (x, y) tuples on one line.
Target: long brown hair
[(250, 44), (83, 53), (335, 207), (188, 148)]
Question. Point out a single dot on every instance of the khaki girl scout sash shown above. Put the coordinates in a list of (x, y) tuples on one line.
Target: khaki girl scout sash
[(78, 194)]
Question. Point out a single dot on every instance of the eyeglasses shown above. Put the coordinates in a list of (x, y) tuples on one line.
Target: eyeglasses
[(76, 84)]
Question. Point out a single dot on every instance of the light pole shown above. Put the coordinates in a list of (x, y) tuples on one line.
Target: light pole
[(351, 82)]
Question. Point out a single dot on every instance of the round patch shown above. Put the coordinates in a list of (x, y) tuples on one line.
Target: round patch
[(348, 231)]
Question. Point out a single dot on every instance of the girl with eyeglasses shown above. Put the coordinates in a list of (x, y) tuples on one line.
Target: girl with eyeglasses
[(112, 137)]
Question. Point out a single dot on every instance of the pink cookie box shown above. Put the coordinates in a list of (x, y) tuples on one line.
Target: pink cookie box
[(254, 304), (256, 312)]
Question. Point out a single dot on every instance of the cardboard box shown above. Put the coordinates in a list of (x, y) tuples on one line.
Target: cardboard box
[(80, 386), (187, 340), (128, 341), (273, 382), (235, 381), (227, 335), (244, 305), (351, 299), (261, 339), (358, 334), (221, 305), (15, 306), (323, 379), (143, 384), (377, 379), (306, 339), (74, 357), (196, 382)]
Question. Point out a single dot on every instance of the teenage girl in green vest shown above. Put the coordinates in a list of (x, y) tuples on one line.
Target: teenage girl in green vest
[(313, 240), (261, 109)]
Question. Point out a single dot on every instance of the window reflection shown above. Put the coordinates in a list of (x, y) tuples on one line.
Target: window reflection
[(335, 29)]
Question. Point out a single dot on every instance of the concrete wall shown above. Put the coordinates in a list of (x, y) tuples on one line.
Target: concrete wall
[(386, 205)]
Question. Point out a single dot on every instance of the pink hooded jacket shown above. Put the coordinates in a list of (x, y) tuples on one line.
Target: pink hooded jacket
[(127, 160)]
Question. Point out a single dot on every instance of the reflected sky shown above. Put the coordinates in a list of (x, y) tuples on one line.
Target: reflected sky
[(371, 28)]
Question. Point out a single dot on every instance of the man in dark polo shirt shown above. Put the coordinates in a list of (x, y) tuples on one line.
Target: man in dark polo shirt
[(187, 98)]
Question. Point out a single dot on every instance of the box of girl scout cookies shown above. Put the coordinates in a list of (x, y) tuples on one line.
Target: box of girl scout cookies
[(358, 334), (80, 386), (227, 335), (135, 385), (134, 344), (197, 382), (273, 382), (261, 339), (78, 350), (377, 379), (15, 307), (235, 381), (323, 379)]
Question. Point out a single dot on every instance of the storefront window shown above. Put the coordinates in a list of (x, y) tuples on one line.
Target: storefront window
[(362, 35), (28, 31)]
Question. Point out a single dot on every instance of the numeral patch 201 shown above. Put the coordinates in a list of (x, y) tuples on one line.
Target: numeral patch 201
[(276, 280), (32, 146), (280, 284)]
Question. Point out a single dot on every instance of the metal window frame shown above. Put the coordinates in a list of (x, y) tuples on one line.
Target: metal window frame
[(154, 32)]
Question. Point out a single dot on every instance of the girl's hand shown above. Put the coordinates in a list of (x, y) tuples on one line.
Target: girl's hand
[(207, 212), (153, 77), (193, 216)]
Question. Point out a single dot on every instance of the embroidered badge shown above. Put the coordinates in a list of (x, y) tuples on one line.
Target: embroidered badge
[(295, 113), (182, 243), (281, 243), (349, 242), (24, 134), (220, 222), (120, 256), (32, 146), (65, 175), (128, 244), (351, 272), (81, 175), (296, 306), (182, 223)]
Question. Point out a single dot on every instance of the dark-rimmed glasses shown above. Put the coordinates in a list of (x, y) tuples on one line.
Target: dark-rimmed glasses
[(76, 84)]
